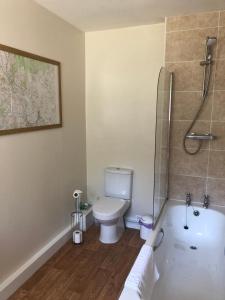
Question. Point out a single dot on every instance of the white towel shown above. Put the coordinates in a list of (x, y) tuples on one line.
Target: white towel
[(143, 275)]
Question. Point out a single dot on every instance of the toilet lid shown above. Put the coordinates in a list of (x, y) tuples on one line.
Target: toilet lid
[(108, 207)]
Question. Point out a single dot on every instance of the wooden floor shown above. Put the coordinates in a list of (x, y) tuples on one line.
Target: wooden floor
[(90, 271)]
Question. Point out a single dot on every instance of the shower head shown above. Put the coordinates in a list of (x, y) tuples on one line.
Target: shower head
[(211, 41)]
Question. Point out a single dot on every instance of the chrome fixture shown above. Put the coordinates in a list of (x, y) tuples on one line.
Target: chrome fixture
[(196, 213), (193, 248), (206, 201), (200, 136), (188, 203), (207, 64), (210, 42), (188, 199)]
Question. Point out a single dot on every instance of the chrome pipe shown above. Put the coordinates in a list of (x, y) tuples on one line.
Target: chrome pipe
[(200, 136)]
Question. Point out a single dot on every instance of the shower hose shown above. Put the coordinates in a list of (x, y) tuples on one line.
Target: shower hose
[(206, 82)]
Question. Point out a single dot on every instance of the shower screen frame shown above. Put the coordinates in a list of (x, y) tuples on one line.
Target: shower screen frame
[(156, 216)]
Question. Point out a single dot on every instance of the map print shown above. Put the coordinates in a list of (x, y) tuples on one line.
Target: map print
[(29, 92)]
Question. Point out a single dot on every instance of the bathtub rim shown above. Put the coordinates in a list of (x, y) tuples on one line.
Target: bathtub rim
[(170, 203)]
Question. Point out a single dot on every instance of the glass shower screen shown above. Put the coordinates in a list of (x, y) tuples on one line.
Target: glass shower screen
[(162, 136)]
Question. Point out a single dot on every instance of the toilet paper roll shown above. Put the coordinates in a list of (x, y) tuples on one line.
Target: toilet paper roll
[(77, 237)]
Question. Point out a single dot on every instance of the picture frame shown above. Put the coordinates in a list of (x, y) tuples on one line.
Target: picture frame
[(30, 92)]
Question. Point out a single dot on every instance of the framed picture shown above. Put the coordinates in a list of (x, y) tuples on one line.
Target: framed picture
[(30, 92)]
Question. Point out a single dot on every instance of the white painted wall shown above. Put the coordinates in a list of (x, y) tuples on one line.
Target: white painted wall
[(122, 68), (38, 170)]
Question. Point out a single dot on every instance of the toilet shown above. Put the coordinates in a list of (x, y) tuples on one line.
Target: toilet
[(109, 210)]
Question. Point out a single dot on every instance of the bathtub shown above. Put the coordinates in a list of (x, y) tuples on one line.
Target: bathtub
[(190, 256), (191, 261)]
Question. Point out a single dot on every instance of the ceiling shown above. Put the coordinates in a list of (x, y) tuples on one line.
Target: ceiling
[(90, 15)]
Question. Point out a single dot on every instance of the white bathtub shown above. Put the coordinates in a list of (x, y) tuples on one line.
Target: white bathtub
[(191, 262), (185, 273)]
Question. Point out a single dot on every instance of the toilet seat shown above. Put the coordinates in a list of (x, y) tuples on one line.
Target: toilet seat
[(109, 208)]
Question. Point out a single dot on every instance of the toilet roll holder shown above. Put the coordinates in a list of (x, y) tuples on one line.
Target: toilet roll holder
[(77, 219)]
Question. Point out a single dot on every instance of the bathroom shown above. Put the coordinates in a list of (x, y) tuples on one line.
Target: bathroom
[(110, 56)]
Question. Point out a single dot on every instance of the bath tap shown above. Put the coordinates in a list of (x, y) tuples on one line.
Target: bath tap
[(188, 199), (206, 201)]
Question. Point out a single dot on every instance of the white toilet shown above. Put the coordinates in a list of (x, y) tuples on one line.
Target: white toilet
[(109, 210)]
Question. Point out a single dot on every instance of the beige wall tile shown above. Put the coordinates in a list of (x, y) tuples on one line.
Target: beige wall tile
[(187, 45), (186, 104), (218, 129), (220, 75), (162, 157), (180, 185), (202, 20), (163, 185), (162, 103), (219, 106), (188, 76), (165, 133), (179, 128), (192, 165), (216, 191), (216, 164), (222, 18), (221, 43)]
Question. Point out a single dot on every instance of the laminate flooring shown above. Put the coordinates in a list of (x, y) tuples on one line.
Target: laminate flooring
[(91, 271)]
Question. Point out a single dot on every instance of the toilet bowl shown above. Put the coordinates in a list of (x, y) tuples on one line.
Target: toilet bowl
[(109, 213), (109, 210)]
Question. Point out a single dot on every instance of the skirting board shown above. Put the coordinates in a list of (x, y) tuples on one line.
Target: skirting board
[(14, 281)]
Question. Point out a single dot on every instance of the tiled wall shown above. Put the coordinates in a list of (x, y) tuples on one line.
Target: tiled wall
[(185, 48)]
